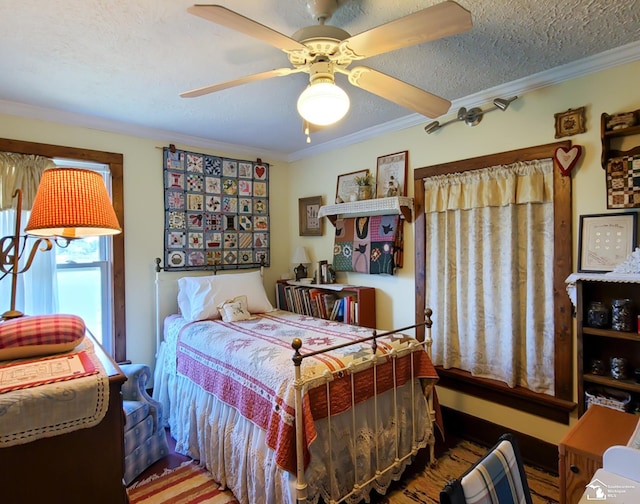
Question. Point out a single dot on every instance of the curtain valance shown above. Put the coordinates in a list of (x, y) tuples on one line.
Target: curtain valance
[(515, 184), (21, 171)]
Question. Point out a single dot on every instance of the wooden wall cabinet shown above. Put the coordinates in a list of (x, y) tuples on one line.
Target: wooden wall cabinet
[(363, 297), (602, 344), (614, 135), (580, 451)]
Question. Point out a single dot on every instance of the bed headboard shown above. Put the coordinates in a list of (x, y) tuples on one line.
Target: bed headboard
[(166, 287)]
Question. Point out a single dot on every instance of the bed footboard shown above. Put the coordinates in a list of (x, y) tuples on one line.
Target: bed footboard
[(402, 362)]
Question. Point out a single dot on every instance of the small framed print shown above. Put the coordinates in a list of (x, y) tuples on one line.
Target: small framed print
[(309, 221), (606, 240), (391, 178), (346, 187), (570, 122)]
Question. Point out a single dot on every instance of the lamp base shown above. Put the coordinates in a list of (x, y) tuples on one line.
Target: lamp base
[(11, 314), (301, 272)]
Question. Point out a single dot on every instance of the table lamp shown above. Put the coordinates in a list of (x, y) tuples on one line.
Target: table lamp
[(70, 203), (300, 256)]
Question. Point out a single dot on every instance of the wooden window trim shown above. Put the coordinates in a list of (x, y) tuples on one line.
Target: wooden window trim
[(555, 407), (115, 163)]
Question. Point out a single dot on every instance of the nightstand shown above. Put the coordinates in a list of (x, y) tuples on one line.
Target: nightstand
[(580, 451)]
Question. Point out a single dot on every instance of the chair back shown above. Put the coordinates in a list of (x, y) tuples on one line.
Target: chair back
[(497, 478)]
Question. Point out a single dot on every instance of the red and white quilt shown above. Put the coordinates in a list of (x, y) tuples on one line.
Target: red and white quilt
[(248, 365)]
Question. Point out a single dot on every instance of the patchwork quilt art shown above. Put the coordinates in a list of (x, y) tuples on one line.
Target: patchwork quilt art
[(216, 211), (370, 245), (623, 182)]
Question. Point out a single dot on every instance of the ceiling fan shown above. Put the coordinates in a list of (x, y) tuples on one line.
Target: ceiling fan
[(323, 50)]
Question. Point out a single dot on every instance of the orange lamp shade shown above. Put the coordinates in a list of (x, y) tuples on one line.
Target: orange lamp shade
[(72, 203)]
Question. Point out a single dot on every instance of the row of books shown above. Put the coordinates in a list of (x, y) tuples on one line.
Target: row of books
[(317, 303)]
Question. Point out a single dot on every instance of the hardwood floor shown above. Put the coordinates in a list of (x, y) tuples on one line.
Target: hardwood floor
[(171, 461)]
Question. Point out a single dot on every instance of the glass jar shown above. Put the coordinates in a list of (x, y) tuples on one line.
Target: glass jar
[(618, 367), (622, 315), (598, 315)]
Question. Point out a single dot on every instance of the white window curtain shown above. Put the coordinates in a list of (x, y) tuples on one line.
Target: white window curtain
[(35, 289), (489, 272)]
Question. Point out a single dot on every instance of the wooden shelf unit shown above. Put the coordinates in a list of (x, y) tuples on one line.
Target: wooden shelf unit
[(364, 298), (604, 343), (608, 135)]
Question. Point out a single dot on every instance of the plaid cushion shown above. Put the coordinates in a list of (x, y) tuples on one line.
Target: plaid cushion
[(495, 479), (25, 337)]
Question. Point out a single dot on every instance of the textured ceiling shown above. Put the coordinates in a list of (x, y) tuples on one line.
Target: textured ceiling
[(128, 61)]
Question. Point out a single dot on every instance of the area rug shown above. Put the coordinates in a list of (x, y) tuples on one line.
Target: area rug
[(421, 483), (187, 484)]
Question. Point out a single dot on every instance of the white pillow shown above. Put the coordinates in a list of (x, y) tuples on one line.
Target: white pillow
[(235, 309), (199, 297)]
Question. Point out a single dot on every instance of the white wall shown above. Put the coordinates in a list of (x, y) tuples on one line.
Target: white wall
[(144, 214), (528, 122)]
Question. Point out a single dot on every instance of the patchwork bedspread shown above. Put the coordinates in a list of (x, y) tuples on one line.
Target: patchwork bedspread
[(248, 365)]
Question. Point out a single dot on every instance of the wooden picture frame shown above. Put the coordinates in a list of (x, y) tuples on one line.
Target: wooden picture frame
[(391, 175), (346, 186), (309, 222), (570, 122), (606, 240)]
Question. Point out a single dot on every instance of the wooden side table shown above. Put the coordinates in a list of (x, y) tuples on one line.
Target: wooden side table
[(86, 465), (580, 451)]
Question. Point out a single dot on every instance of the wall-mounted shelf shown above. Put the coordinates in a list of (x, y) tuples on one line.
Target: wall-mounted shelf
[(608, 134), (396, 205)]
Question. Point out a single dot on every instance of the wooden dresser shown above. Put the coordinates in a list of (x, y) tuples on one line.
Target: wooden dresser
[(78, 467), (580, 451)]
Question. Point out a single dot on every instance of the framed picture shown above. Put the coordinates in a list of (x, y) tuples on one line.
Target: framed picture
[(346, 186), (570, 122), (606, 240), (391, 177), (310, 223)]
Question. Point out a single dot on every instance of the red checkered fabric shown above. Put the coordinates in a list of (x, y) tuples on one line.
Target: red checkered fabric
[(41, 330)]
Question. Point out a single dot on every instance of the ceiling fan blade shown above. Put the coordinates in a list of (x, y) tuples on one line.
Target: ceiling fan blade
[(230, 19), (278, 72), (397, 91), (437, 21)]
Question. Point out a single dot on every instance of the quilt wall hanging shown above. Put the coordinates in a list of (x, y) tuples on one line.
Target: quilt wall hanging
[(216, 211), (370, 245), (623, 182)]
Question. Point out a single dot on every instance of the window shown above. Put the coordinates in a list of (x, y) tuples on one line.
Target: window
[(113, 278), (554, 407)]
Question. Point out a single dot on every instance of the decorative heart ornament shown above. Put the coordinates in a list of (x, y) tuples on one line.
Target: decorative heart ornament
[(260, 171), (567, 159)]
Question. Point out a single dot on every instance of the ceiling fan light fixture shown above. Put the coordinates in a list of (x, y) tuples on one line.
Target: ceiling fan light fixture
[(323, 103)]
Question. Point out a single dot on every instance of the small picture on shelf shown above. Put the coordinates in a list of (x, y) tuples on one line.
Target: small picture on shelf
[(347, 188), (391, 175)]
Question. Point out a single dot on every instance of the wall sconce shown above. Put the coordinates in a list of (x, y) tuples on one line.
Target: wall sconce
[(472, 116), (70, 203)]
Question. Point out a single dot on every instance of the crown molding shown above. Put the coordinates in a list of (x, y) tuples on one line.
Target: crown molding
[(602, 61), (99, 123)]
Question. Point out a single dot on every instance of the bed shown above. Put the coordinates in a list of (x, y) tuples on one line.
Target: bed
[(282, 407)]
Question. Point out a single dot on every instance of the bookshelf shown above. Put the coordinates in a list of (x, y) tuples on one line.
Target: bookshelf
[(353, 304)]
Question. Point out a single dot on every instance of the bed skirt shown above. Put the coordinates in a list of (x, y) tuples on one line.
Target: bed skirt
[(234, 450)]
